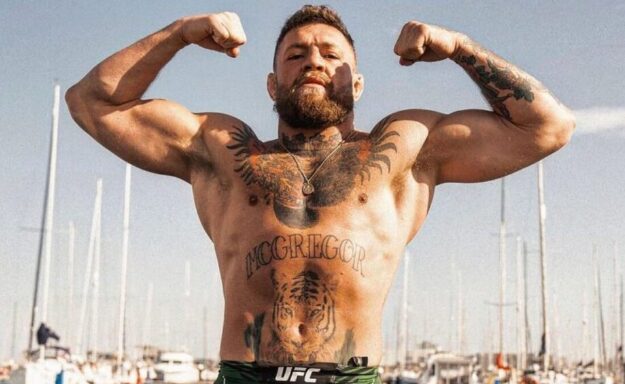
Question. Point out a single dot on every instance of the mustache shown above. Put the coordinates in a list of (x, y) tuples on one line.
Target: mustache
[(305, 76)]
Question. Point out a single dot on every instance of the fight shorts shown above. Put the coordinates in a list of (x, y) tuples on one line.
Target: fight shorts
[(356, 371)]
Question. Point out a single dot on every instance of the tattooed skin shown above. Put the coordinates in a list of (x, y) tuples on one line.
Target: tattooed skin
[(252, 334), (275, 172), (348, 350), (311, 246), (371, 153), (302, 323), (498, 83), (303, 302)]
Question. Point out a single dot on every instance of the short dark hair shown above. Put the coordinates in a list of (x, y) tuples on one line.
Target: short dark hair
[(313, 14)]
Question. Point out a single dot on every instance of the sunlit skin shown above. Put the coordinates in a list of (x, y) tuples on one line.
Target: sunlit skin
[(305, 276)]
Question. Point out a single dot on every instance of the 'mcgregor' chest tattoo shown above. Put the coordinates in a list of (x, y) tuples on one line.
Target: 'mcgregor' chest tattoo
[(275, 172)]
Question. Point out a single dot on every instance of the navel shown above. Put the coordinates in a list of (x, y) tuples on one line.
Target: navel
[(302, 329)]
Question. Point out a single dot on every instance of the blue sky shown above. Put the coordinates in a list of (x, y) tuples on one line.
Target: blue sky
[(575, 48)]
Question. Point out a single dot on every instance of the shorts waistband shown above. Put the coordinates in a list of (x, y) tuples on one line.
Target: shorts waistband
[(235, 372)]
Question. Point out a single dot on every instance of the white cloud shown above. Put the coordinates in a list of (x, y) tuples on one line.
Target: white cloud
[(600, 119)]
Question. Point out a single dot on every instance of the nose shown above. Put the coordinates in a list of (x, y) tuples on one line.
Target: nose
[(314, 61)]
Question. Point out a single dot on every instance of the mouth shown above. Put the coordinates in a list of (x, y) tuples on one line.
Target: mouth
[(314, 80)]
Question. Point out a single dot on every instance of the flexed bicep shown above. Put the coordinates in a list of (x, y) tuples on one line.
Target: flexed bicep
[(156, 135), (475, 145)]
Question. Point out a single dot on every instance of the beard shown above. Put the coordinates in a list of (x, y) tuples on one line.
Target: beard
[(309, 110)]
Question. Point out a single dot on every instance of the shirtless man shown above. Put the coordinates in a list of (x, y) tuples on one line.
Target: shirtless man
[(309, 228)]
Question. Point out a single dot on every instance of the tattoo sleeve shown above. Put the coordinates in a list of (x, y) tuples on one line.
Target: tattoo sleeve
[(511, 92)]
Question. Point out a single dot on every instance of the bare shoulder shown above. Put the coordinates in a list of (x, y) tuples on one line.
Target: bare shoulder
[(410, 124), (407, 130), (221, 126), (220, 130)]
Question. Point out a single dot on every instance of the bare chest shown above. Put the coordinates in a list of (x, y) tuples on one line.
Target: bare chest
[(299, 185)]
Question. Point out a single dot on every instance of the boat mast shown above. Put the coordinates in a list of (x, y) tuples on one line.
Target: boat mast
[(97, 208), (49, 223), (596, 341), (543, 265), (502, 263), (408, 336), (622, 328), (615, 328), (70, 278), (528, 333), (600, 313), (585, 333), (520, 307), (46, 222), (404, 312), (460, 316), (122, 299), (557, 351), (95, 298)]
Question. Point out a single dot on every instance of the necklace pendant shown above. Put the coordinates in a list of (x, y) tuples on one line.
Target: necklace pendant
[(307, 188)]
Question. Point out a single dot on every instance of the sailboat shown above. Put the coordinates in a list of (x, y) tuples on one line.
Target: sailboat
[(47, 364)]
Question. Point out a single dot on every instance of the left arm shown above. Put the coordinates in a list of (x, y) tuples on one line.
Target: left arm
[(526, 124)]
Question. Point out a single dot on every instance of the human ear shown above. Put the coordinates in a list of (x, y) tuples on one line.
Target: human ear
[(358, 85), (272, 85)]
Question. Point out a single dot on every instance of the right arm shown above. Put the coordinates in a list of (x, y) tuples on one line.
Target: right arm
[(156, 135)]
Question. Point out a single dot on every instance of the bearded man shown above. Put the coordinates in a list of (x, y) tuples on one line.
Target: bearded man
[(309, 228)]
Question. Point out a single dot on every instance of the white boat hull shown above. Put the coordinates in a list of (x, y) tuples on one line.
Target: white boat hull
[(181, 377), (46, 372)]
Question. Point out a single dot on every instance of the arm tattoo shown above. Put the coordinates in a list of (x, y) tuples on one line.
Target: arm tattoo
[(497, 81)]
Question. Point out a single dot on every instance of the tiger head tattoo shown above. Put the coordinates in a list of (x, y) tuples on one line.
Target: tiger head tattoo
[(303, 318)]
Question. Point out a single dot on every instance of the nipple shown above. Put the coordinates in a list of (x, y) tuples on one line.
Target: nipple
[(362, 198), (253, 200)]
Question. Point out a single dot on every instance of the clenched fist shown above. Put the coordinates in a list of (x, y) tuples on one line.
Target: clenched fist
[(422, 42), (220, 32)]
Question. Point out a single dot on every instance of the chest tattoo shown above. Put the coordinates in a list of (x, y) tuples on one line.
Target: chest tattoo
[(272, 170)]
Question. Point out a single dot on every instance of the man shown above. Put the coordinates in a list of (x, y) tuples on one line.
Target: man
[(309, 228)]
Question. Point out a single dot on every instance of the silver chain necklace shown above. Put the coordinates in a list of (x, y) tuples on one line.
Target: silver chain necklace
[(307, 187)]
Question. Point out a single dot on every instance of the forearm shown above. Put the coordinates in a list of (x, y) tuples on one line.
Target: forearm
[(127, 74), (512, 93)]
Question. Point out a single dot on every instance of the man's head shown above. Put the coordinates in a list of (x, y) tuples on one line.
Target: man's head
[(315, 83), (313, 14)]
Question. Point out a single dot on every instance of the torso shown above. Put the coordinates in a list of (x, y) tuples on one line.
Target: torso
[(305, 277)]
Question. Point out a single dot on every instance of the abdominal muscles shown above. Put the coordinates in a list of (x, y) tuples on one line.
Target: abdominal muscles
[(301, 326), (303, 319)]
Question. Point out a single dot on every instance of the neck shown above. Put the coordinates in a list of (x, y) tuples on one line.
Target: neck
[(295, 139)]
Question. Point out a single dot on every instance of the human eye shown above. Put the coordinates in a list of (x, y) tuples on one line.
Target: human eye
[(294, 56)]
